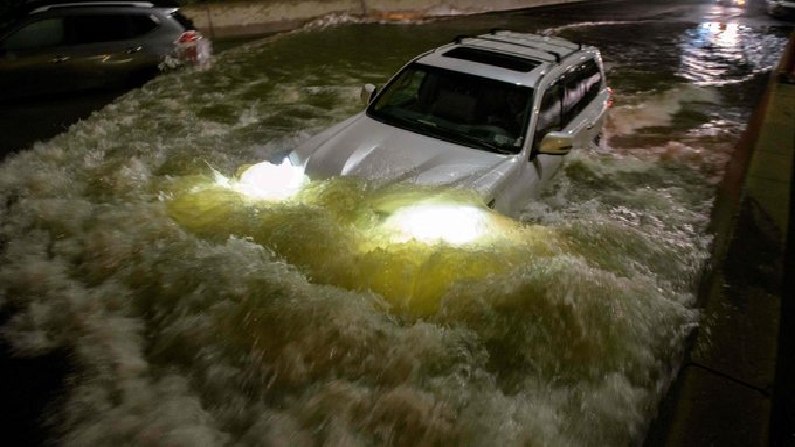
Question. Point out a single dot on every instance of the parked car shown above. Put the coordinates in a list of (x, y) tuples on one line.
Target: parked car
[(66, 46), (496, 113), (781, 8)]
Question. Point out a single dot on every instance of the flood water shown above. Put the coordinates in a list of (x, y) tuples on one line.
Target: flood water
[(193, 316)]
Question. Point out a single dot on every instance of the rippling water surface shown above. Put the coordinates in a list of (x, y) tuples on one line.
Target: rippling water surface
[(196, 317)]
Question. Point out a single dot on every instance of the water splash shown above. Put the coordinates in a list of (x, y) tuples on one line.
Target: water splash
[(196, 317)]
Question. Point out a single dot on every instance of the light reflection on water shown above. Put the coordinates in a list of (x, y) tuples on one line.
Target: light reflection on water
[(196, 318), (717, 53)]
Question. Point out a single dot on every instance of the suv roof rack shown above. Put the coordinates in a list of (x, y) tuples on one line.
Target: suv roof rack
[(46, 6), (556, 47), (546, 40), (541, 52), (487, 56)]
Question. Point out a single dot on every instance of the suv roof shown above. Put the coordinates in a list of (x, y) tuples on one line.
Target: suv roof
[(28, 9), (45, 5), (517, 58)]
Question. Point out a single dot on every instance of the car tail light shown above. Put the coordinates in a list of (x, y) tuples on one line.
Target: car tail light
[(610, 97)]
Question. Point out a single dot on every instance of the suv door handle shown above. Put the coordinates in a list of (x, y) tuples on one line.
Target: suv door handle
[(59, 59), (135, 49)]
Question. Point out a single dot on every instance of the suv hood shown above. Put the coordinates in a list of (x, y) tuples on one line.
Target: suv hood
[(363, 147)]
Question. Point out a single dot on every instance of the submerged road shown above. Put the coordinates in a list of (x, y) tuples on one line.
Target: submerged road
[(171, 315)]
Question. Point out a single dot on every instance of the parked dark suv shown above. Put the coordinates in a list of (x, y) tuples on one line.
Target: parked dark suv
[(65, 46), (781, 8)]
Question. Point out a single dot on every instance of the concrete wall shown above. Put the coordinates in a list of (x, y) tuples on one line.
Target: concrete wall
[(266, 16)]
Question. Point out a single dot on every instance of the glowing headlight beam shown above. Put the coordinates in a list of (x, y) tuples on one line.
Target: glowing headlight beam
[(268, 181), (451, 223)]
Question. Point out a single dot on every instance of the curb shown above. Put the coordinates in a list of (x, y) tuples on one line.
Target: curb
[(240, 19), (734, 373)]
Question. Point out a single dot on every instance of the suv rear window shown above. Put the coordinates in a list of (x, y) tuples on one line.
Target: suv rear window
[(182, 20), (500, 60)]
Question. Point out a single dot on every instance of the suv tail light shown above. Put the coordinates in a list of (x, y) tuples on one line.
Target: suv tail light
[(193, 48), (189, 36), (187, 46)]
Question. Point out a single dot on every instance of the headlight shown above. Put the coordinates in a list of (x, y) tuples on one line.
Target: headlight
[(452, 223), (269, 181)]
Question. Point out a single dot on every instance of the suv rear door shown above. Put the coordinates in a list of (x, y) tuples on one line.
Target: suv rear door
[(581, 113), (106, 48)]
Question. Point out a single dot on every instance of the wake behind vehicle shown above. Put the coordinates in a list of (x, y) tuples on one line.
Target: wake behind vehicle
[(495, 113), (56, 46)]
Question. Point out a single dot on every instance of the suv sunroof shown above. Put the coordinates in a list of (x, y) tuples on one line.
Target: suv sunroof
[(490, 58)]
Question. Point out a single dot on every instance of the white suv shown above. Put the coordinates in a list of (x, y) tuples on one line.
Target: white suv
[(495, 113)]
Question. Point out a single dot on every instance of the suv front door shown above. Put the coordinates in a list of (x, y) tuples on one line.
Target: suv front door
[(32, 60), (550, 118)]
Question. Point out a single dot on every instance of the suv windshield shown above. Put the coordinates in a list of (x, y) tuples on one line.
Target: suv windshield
[(470, 110)]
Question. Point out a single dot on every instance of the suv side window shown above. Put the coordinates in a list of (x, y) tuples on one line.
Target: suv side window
[(39, 34), (549, 113), (90, 28), (592, 81), (581, 87), (141, 24)]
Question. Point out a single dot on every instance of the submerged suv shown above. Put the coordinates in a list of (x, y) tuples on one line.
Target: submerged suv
[(495, 113), (58, 46)]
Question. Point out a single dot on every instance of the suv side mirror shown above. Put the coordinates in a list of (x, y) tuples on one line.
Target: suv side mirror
[(367, 93), (556, 143)]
